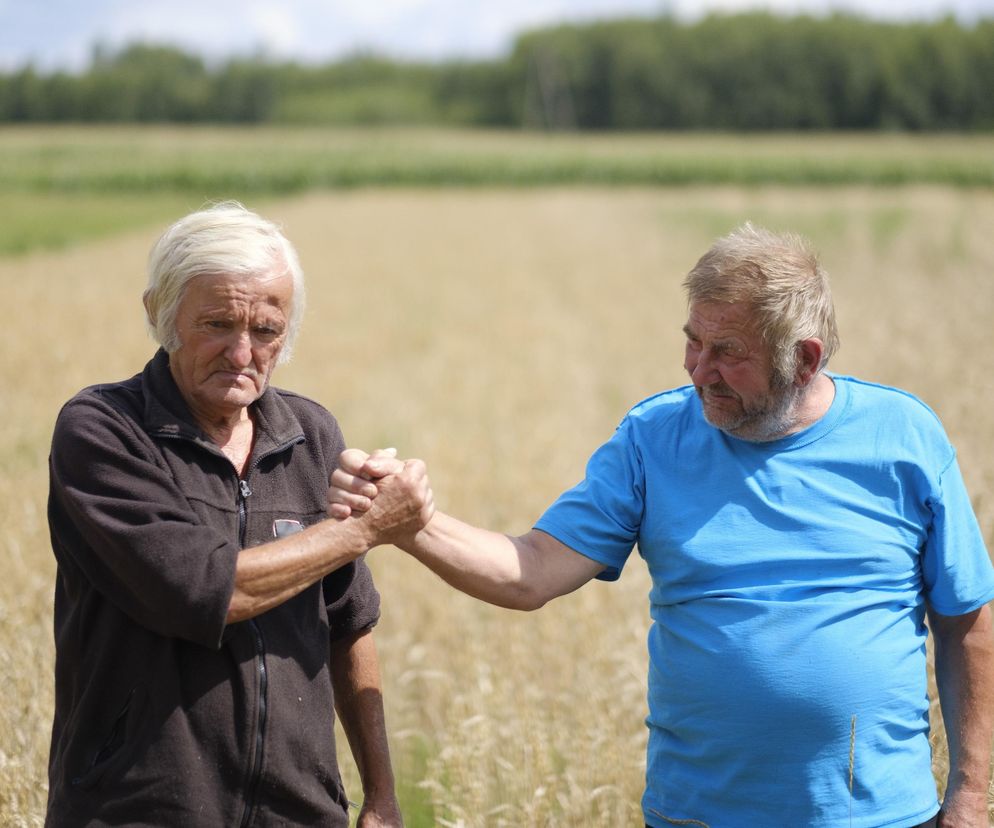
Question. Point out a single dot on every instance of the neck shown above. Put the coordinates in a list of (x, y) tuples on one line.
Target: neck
[(813, 402), (235, 437), (221, 427)]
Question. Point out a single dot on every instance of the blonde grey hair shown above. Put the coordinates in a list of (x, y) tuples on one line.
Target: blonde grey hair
[(224, 238), (780, 277)]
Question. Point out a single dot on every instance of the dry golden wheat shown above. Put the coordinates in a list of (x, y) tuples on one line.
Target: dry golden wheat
[(500, 336)]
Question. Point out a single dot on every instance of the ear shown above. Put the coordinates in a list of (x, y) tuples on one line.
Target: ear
[(809, 354)]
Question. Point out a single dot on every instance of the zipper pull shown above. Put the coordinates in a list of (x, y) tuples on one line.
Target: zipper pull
[(244, 488)]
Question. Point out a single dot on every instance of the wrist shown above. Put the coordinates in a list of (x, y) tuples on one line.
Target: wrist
[(377, 781), (382, 800), (422, 540), (363, 536), (968, 779), (965, 795), (377, 777), (380, 794)]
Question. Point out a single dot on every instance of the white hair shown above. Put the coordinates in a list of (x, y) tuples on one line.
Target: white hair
[(780, 277), (224, 238)]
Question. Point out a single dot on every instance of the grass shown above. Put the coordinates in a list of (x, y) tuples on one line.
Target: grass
[(78, 171), (57, 221), (500, 335)]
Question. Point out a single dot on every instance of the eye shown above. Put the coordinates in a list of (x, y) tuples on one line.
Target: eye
[(730, 351), (267, 332)]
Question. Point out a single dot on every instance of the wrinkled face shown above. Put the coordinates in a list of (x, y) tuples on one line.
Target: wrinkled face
[(730, 366), (231, 331)]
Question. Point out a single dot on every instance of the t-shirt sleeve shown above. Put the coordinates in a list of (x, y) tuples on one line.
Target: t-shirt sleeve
[(956, 566), (600, 516)]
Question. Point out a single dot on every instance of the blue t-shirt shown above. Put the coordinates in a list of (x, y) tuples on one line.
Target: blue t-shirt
[(789, 582)]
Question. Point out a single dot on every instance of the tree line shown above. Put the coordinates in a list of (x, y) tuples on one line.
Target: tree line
[(753, 71)]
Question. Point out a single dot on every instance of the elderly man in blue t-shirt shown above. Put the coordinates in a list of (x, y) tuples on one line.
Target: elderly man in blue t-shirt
[(799, 526)]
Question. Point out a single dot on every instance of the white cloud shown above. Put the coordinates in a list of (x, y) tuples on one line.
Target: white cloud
[(278, 27)]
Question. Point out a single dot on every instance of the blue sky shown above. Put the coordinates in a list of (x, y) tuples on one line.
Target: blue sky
[(59, 34)]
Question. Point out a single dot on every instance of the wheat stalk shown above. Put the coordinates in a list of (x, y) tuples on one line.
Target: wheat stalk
[(852, 762)]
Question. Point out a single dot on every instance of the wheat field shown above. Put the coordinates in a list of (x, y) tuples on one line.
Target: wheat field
[(500, 335)]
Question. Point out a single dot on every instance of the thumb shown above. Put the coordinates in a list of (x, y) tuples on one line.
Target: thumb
[(381, 463)]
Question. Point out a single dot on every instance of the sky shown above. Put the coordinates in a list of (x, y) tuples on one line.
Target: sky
[(60, 34)]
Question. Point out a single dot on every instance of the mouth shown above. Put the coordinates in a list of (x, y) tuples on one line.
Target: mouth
[(235, 377), (710, 392)]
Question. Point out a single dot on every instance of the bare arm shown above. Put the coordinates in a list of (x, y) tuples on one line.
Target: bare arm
[(523, 572), (355, 674), (268, 575), (964, 670)]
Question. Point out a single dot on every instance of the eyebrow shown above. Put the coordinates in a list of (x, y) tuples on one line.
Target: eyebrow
[(724, 343)]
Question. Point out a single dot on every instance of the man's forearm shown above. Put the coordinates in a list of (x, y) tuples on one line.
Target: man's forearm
[(484, 564), (964, 668), (268, 575), (521, 572), (515, 572), (355, 675)]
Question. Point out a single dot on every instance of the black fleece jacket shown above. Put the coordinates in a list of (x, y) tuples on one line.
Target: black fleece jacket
[(165, 715)]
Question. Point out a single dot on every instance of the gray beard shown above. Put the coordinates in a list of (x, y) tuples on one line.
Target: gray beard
[(771, 419)]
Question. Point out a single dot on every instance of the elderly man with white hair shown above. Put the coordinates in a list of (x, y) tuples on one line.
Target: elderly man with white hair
[(209, 620), (799, 527)]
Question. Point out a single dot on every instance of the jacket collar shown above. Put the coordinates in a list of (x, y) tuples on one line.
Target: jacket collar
[(168, 415)]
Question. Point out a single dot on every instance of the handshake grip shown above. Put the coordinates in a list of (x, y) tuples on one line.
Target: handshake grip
[(391, 498)]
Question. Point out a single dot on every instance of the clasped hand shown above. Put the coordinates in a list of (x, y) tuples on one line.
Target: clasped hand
[(391, 496)]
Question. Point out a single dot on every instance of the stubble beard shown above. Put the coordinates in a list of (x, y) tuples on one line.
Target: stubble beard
[(766, 419)]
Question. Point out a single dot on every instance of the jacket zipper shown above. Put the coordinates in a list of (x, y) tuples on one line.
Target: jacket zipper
[(244, 492)]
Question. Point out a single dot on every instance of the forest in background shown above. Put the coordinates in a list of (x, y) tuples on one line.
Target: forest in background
[(749, 71)]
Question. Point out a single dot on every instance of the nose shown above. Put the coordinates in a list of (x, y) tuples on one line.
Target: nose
[(701, 367), (239, 350)]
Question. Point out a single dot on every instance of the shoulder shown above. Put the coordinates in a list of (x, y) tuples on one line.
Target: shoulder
[(101, 424), (110, 400), (895, 402), (658, 423), (662, 405), (307, 410), (312, 417), (898, 419), (661, 411)]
